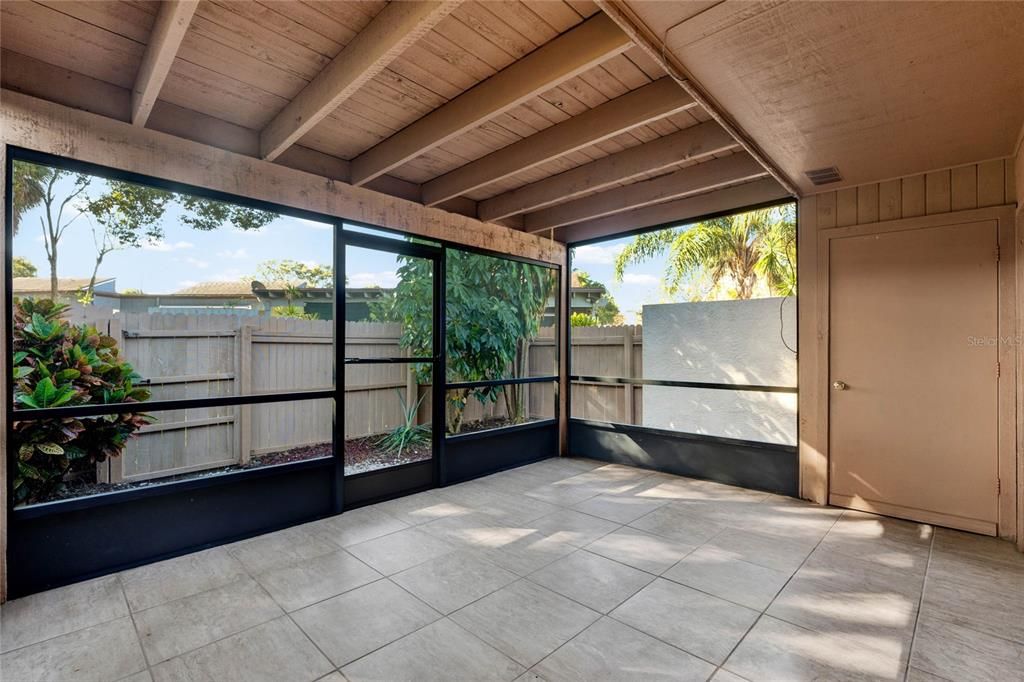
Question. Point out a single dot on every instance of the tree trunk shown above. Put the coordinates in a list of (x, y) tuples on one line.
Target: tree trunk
[(54, 288)]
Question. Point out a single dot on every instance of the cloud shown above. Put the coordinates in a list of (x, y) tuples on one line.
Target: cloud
[(237, 254), (635, 278), (362, 280), (593, 254), (161, 245), (186, 283), (196, 263)]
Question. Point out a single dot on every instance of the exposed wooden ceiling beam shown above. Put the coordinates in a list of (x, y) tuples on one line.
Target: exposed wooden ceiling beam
[(693, 180), (692, 143), (395, 28), (643, 105), (558, 60), (748, 195), (654, 46), (169, 28)]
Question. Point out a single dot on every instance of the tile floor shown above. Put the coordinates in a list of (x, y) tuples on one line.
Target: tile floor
[(563, 570)]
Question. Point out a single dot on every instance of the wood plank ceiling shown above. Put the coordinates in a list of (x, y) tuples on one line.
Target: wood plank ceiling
[(516, 111)]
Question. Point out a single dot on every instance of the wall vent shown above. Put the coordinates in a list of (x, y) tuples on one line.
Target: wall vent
[(824, 176)]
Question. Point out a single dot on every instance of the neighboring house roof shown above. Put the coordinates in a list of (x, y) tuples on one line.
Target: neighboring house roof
[(41, 285), (228, 288), (577, 285)]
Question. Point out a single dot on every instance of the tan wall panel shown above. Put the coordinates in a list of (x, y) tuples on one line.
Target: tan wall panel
[(964, 188)]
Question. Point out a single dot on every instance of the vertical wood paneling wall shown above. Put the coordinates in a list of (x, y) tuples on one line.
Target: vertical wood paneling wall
[(972, 186), (989, 183)]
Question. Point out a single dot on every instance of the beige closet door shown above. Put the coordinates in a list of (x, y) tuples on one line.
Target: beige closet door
[(913, 334)]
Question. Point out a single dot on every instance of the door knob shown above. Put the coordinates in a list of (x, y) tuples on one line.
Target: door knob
[(839, 385)]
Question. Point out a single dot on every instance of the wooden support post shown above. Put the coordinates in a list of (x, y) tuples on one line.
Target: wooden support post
[(627, 370), (244, 373)]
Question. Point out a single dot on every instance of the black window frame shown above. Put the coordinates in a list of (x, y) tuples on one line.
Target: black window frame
[(625, 381)]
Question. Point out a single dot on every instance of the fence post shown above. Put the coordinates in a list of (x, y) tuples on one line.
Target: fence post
[(243, 420), (412, 394), (627, 370)]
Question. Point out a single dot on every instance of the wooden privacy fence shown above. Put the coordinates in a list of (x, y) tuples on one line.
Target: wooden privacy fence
[(609, 352), (197, 356)]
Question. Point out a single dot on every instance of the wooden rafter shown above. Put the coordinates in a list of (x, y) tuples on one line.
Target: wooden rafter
[(694, 180), (643, 105), (754, 193), (169, 29), (394, 29), (692, 143), (568, 55)]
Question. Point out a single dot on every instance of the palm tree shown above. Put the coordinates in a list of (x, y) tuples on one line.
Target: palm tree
[(742, 250)]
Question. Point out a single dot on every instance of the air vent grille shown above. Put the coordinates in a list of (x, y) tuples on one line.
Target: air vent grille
[(824, 176)]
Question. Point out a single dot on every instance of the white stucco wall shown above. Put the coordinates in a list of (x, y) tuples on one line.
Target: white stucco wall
[(722, 342)]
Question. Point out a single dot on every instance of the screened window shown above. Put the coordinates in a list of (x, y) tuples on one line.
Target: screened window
[(154, 301), (690, 328)]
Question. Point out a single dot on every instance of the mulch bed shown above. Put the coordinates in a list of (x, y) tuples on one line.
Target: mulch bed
[(361, 455)]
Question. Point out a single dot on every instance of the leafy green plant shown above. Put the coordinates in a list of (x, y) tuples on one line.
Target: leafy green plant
[(57, 364), (582, 320), (408, 434)]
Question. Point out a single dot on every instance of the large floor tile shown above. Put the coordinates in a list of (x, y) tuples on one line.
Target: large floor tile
[(676, 524), (495, 504), (176, 627), (782, 554), (44, 615), (695, 622), (525, 621), (639, 549), (454, 580), (889, 542), (592, 580), (963, 654), (108, 651), (358, 525), (989, 609), (398, 551), (774, 650), (719, 573), (562, 494), (618, 508), (976, 546), (610, 651), (863, 602), (978, 571), (525, 550), (316, 579), (441, 652), (574, 527), (353, 624), (276, 650), (422, 507), (281, 548), (165, 581)]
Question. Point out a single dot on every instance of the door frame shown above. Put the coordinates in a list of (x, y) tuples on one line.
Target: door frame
[(369, 487), (1008, 349)]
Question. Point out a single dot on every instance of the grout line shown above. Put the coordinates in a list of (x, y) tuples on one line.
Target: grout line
[(764, 611), (920, 602), (135, 628)]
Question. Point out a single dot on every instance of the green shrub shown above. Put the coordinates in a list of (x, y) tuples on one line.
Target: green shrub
[(57, 364), (582, 320)]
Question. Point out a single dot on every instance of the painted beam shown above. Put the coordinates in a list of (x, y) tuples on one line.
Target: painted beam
[(558, 60), (169, 29), (391, 32), (643, 105), (697, 179), (697, 142), (754, 193)]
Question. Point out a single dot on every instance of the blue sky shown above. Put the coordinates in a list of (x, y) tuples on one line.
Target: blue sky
[(640, 283), (186, 256)]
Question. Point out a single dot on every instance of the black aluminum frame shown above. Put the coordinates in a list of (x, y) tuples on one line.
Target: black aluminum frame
[(47, 518)]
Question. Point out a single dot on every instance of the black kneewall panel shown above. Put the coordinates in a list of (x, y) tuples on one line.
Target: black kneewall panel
[(477, 454), (57, 548), (761, 466)]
